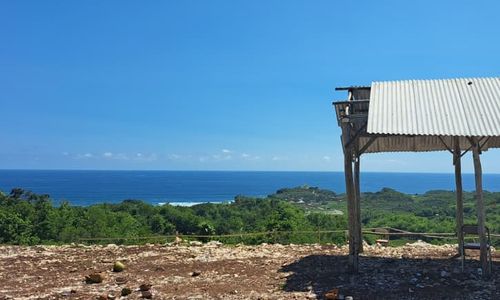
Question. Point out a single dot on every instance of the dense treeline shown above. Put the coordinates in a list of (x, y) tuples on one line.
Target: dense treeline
[(433, 211), (28, 218)]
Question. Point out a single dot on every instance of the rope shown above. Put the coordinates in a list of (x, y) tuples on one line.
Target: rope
[(367, 231)]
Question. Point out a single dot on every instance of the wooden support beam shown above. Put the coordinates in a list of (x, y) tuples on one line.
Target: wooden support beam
[(350, 192), (481, 215), (354, 139), (351, 214), (357, 202), (445, 145), (368, 144), (459, 193)]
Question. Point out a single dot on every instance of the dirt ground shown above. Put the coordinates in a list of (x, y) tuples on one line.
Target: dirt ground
[(215, 271)]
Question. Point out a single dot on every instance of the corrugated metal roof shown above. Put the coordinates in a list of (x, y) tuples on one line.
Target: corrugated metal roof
[(445, 107)]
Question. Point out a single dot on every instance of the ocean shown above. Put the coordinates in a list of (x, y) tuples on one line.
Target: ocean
[(190, 187)]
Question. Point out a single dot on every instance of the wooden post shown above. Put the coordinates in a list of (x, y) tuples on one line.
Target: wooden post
[(459, 193), (481, 219), (350, 192), (357, 203)]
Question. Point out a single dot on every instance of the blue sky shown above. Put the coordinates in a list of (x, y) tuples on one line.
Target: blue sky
[(220, 85)]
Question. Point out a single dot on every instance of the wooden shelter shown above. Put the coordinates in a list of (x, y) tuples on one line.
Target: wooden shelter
[(455, 115)]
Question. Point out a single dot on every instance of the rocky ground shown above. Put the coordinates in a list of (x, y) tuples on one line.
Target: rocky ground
[(215, 271)]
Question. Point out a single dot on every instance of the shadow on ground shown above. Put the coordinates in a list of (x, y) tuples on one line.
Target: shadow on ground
[(392, 278)]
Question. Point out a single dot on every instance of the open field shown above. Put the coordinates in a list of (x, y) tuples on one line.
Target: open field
[(215, 271)]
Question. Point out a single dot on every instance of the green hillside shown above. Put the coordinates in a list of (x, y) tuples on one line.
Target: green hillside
[(28, 218)]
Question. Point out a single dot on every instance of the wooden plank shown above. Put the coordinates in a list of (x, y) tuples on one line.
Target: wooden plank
[(459, 193), (481, 215)]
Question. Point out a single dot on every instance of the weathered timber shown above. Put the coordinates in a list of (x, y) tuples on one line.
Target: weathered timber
[(357, 203), (368, 144), (481, 219), (459, 193), (349, 182)]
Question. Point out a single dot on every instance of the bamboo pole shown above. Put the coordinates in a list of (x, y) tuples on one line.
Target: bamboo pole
[(459, 193), (481, 219)]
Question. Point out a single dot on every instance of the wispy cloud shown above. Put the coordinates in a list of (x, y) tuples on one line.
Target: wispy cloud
[(327, 158), (146, 157), (111, 155), (247, 156), (277, 158), (84, 155), (174, 156), (226, 151), (139, 156)]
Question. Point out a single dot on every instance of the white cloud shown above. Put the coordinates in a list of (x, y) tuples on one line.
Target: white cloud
[(174, 156), (83, 156), (276, 158), (107, 154), (226, 151), (247, 156), (121, 156), (146, 157), (327, 158)]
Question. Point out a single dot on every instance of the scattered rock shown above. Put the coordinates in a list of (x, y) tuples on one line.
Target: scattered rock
[(95, 278), (103, 297), (213, 244), (255, 271), (196, 243), (145, 287), (332, 294), (177, 241), (146, 295), (445, 274), (121, 280), (126, 291), (118, 267)]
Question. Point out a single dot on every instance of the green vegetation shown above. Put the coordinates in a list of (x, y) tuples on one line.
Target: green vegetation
[(28, 218)]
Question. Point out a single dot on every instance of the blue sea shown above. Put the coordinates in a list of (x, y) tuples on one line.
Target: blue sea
[(189, 187)]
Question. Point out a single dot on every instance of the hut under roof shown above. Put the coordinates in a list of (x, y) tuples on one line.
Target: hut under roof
[(455, 115)]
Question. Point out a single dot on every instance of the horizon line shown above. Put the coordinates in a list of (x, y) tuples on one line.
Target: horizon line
[(215, 170)]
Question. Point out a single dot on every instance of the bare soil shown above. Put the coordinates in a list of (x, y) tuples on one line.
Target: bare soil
[(215, 271)]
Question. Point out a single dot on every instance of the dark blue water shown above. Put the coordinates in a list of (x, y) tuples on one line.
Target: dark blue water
[(88, 187)]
